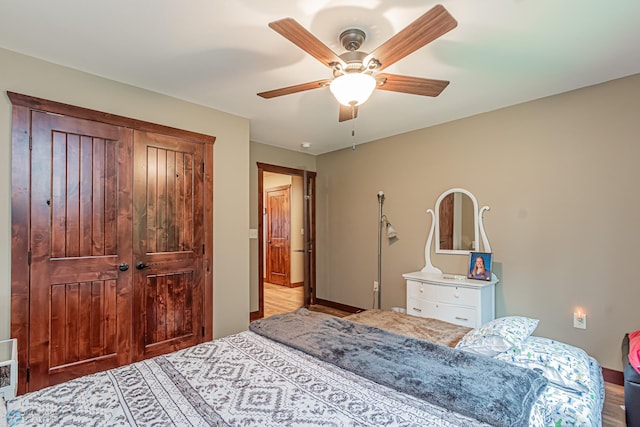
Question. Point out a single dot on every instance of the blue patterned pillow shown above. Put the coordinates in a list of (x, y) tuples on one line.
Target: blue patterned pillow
[(498, 335), (564, 365)]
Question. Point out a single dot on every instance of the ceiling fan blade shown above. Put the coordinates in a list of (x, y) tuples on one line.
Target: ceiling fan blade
[(420, 32), (298, 35), (412, 85), (347, 113), (295, 89)]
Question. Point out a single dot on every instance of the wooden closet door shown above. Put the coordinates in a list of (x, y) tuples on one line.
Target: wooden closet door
[(80, 300), (168, 243)]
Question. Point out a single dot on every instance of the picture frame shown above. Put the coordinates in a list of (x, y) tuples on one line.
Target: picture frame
[(484, 268)]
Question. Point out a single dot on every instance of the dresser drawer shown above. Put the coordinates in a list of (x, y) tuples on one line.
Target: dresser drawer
[(444, 294), (464, 316)]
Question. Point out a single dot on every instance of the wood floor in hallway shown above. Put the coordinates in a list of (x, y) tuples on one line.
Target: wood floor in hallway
[(281, 299)]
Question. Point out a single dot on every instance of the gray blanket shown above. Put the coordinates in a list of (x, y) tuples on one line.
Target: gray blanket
[(486, 389)]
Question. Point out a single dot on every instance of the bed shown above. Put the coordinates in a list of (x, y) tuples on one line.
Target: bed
[(306, 368)]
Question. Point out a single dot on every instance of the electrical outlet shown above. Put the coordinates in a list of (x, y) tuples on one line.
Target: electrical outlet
[(375, 286), (580, 320)]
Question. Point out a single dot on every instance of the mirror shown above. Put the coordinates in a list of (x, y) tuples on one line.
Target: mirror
[(457, 226), (456, 223)]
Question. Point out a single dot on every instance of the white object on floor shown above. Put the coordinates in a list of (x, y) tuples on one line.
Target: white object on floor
[(9, 361)]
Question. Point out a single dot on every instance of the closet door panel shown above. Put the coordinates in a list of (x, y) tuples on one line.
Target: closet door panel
[(169, 243), (81, 220)]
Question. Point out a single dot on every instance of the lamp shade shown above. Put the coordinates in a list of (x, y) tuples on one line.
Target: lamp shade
[(352, 88), (391, 232)]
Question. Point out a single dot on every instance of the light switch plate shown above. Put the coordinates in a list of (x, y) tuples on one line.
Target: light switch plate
[(253, 233)]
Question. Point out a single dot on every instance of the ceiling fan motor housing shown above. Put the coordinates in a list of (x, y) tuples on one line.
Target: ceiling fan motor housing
[(352, 39), (354, 63)]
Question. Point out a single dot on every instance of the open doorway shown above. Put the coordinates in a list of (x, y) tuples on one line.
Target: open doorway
[(286, 237)]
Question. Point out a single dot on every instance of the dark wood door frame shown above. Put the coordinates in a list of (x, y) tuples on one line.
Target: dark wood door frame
[(22, 107), (310, 288)]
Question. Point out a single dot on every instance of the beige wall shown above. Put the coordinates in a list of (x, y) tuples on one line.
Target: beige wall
[(561, 177), (30, 76), (261, 153), (559, 174)]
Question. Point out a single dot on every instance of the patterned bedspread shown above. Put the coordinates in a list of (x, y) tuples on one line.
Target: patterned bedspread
[(249, 380), (240, 380)]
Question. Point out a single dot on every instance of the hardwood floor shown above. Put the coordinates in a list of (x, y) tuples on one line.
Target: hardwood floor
[(280, 299), (612, 414)]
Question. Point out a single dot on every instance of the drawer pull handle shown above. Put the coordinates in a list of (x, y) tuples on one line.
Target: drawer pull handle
[(461, 318), (417, 309)]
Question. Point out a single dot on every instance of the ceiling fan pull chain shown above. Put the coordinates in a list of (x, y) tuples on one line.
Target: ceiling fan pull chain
[(353, 127)]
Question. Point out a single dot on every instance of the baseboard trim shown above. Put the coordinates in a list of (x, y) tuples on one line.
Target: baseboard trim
[(287, 285), (255, 315), (612, 376), (295, 285), (338, 306)]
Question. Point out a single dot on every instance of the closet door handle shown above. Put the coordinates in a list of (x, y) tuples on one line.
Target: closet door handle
[(123, 267), (141, 265)]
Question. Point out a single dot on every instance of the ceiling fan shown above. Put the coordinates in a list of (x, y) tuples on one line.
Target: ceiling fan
[(358, 72)]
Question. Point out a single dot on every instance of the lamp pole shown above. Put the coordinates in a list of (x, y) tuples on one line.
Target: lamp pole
[(380, 203)]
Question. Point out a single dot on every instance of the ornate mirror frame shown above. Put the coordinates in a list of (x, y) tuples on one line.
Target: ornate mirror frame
[(478, 225)]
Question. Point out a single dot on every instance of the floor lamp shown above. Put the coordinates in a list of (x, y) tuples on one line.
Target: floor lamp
[(391, 234)]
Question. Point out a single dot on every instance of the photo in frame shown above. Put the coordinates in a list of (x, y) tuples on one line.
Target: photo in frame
[(480, 266)]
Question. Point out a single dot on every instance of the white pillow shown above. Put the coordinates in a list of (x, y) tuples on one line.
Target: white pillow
[(563, 365), (498, 335)]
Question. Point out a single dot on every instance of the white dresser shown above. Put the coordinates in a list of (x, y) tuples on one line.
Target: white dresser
[(455, 300)]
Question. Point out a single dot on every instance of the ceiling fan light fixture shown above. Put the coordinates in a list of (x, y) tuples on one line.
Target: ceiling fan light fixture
[(352, 89)]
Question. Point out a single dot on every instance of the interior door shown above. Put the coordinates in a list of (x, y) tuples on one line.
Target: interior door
[(80, 284), (278, 235), (168, 243)]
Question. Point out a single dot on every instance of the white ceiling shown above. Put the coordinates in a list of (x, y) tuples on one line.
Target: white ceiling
[(220, 53)]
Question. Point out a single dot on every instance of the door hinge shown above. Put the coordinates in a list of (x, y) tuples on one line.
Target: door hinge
[(203, 251), (30, 142), (28, 373), (29, 258), (202, 167), (203, 332)]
